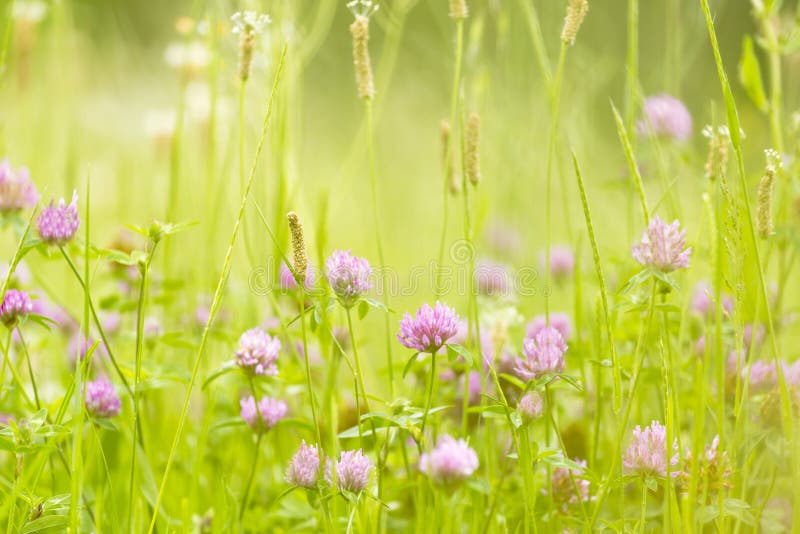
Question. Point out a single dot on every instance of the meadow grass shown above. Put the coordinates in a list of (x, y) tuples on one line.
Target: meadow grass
[(399, 266)]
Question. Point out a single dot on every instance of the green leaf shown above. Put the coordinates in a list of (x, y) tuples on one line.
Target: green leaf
[(282, 495), (295, 422), (230, 422), (479, 485), (516, 419), (666, 279), (6, 443), (177, 341), (559, 460), (410, 363), (739, 509), (45, 523), (363, 309), (750, 75), (454, 349), (387, 420), (791, 44), (572, 381), (41, 320), (352, 432), (147, 484), (636, 280), (172, 228), (633, 167), (416, 413), (105, 423), (494, 411), (117, 256), (226, 368), (31, 244), (377, 304), (511, 379)]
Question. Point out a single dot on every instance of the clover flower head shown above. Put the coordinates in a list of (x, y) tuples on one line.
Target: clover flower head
[(348, 276), (101, 399), (258, 352), (667, 116), (304, 468), (663, 246), (16, 188), (559, 321), (58, 223), (530, 406), (543, 354), (647, 451), (263, 415), (568, 486), (450, 462), (353, 471), (429, 329), (16, 305)]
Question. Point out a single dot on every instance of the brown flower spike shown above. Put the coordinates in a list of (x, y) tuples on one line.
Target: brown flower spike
[(360, 31), (576, 12), (458, 9), (472, 148), (298, 248), (445, 132)]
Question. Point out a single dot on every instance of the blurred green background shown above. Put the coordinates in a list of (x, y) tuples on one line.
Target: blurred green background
[(91, 94)]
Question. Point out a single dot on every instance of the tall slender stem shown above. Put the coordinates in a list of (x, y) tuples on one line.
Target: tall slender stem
[(360, 383), (669, 417), (5, 348), (215, 303), (450, 149), (632, 75), (140, 311), (99, 326), (254, 462), (776, 83), (30, 368), (242, 171), (732, 114), (617, 397), (12, 512), (80, 380), (360, 390), (638, 357), (551, 154), (175, 168), (14, 374), (6, 41), (306, 358), (643, 520), (526, 465), (429, 396), (373, 174)]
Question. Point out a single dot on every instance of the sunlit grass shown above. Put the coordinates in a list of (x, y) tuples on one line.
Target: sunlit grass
[(572, 359)]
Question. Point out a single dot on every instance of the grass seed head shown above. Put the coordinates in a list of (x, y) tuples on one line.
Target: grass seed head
[(764, 221), (445, 133), (364, 80), (248, 25), (298, 246), (576, 12), (472, 148), (459, 9)]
